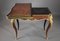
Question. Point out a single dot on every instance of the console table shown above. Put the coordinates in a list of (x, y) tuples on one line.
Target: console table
[(26, 11)]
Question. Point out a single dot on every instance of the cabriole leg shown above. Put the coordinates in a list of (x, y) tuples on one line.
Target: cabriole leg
[(14, 27)]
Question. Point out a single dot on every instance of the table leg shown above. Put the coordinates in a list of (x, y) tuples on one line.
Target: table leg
[(13, 23), (45, 24), (17, 23), (51, 20), (49, 26)]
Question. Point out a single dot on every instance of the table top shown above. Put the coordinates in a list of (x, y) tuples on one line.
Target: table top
[(40, 11), (26, 10), (21, 9)]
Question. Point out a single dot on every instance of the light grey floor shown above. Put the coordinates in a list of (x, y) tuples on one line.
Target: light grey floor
[(29, 31)]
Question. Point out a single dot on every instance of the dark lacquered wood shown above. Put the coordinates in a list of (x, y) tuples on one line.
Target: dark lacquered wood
[(40, 11), (17, 23), (45, 24)]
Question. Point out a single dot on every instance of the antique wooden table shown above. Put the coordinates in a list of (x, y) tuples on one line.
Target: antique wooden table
[(26, 11)]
